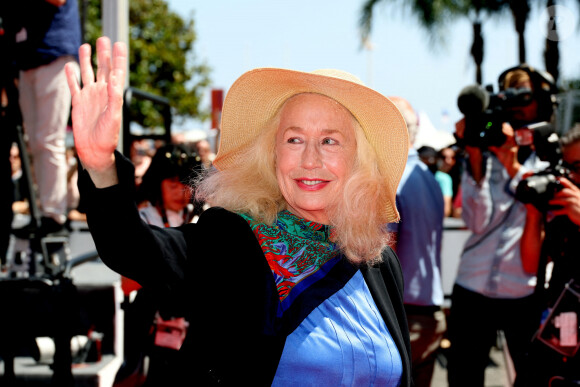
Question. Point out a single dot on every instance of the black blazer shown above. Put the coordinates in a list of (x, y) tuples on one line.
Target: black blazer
[(214, 273)]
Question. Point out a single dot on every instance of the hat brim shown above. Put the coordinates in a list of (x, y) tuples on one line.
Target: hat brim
[(256, 96)]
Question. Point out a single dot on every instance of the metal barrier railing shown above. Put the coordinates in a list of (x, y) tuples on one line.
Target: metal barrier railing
[(165, 111)]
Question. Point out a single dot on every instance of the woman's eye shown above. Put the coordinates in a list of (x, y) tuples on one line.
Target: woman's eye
[(293, 140), (329, 141)]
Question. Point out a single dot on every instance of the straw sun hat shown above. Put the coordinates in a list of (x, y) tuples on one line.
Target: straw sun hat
[(256, 96)]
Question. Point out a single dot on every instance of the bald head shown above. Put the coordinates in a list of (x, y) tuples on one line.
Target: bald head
[(409, 115)]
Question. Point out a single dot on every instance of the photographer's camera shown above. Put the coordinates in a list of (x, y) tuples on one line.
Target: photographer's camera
[(541, 187), (485, 113)]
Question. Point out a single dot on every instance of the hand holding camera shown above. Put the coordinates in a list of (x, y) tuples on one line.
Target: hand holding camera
[(567, 201)]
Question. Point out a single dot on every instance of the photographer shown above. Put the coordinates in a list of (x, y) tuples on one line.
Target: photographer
[(492, 291), (552, 234)]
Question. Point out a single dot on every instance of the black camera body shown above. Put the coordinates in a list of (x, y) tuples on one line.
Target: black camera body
[(485, 113), (538, 189)]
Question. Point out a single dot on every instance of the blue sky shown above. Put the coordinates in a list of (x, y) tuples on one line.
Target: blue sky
[(235, 36)]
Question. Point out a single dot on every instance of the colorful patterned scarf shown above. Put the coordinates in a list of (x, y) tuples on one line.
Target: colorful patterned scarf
[(298, 252)]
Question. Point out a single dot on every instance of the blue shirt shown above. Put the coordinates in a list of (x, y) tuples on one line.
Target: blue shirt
[(491, 262), (420, 204), (445, 183), (335, 332), (343, 342), (50, 33)]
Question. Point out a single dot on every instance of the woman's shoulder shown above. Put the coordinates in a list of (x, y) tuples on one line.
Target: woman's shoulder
[(390, 258), (227, 253), (388, 267), (217, 224), (219, 216)]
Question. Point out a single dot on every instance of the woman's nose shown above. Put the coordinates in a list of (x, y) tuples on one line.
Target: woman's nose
[(311, 157)]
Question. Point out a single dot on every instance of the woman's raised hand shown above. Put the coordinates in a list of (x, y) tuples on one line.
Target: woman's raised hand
[(97, 108)]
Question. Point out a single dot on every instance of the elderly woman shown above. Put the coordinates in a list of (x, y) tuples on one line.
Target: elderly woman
[(287, 279)]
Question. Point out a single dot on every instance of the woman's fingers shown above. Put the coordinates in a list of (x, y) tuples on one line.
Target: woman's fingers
[(87, 74), (115, 93), (117, 77), (120, 58), (103, 59), (71, 77)]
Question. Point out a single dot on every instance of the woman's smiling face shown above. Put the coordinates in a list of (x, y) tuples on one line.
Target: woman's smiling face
[(315, 154)]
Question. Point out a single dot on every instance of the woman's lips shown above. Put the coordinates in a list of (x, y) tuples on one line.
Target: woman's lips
[(311, 184)]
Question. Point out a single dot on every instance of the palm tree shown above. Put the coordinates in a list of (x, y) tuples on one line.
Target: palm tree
[(477, 50), (432, 14), (520, 10), (551, 50), (429, 13)]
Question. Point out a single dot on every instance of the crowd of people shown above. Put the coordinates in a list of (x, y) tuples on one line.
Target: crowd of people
[(309, 247)]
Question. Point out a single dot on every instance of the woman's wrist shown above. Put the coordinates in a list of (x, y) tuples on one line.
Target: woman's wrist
[(104, 177)]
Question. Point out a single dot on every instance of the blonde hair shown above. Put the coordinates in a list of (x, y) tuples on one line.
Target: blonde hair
[(357, 220), (248, 187), (516, 78)]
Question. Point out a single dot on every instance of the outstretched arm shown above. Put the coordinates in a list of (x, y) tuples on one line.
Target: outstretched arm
[(97, 109)]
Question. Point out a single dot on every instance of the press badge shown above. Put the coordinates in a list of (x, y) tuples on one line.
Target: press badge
[(560, 330), (568, 324)]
